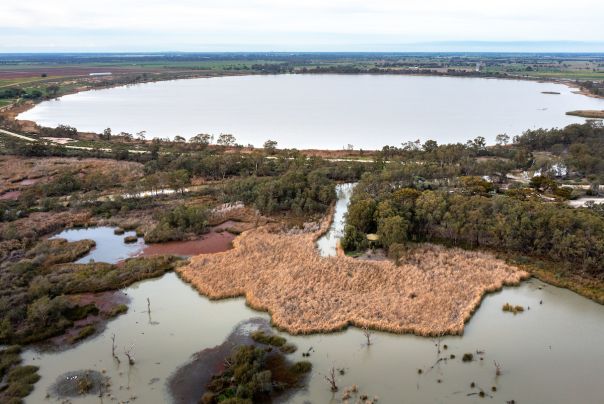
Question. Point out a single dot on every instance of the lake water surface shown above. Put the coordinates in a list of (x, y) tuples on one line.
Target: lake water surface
[(321, 111), (552, 353)]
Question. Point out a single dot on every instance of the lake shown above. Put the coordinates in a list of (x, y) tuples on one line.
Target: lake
[(321, 111)]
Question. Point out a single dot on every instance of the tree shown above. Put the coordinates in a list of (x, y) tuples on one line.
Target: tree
[(502, 139), (179, 139), (201, 139), (141, 135), (106, 134), (52, 90), (270, 146), (393, 230), (430, 146), (179, 180), (226, 139)]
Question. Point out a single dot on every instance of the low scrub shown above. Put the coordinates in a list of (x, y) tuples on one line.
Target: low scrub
[(253, 375), (18, 380), (59, 251), (178, 224)]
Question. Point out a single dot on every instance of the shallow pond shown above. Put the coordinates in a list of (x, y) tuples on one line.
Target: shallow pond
[(550, 353), (321, 111), (111, 247)]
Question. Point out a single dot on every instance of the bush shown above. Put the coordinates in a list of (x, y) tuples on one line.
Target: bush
[(177, 223), (302, 367), (268, 339)]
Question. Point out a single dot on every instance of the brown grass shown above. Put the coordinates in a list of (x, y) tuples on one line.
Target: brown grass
[(434, 291), (14, 169), (595, 114)]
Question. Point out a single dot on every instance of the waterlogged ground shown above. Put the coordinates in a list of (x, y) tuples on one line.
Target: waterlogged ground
[(550, 353)]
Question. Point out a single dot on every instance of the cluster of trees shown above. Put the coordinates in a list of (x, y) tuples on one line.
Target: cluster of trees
[(580, 146), (15, 92), (594, 87), (473, 216), (297, 191), (178, 223)]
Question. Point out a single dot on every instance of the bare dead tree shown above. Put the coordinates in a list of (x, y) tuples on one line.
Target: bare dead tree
[(113, 349), (367, 333), (129, 355), (331, 379), (437, 342), (148, 306), (497, 368)]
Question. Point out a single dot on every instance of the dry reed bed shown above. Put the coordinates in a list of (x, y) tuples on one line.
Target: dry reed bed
[(434, 291)]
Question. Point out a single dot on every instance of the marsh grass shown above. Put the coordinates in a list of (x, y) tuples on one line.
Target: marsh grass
[(283, 274), (17, 380), (512, 309)]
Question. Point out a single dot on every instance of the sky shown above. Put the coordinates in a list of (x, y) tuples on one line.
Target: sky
[(301, 25)]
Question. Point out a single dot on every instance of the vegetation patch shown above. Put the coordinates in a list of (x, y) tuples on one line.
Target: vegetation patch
[(304, 292), (512, 309), (251, 375), (37, 308), (60, 251), (79, 383), (17, 380), (178, 224)]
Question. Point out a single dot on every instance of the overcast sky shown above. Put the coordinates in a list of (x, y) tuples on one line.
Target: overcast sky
[(303, 25)]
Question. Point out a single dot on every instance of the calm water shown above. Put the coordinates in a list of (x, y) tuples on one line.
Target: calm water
[(552, 353), (109, 246), (328, 242), (321, 111)]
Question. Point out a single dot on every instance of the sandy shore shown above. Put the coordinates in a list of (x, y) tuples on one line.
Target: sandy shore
[(434, 291)]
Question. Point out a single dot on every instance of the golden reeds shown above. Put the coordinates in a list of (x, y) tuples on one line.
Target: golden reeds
[(433, 291)]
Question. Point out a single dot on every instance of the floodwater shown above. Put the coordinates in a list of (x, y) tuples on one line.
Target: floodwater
[(327, 244), (321, 111), (551, 353)]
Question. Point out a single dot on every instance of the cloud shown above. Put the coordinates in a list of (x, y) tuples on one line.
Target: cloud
[(179, 24)]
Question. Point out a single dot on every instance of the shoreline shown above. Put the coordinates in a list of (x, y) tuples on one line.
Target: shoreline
[(10, 112)]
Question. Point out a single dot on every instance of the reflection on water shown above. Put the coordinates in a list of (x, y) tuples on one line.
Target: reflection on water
[(550, 353), (109, 246), (321, 111), (328, 242)]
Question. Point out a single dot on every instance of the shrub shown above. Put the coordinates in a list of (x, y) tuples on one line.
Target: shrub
[(85, 332), (301, 367), (117, 310), (177, 223), (268, 339), (467, 357)]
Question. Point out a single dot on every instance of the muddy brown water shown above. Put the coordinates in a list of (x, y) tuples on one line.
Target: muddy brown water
[(551, 353)]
